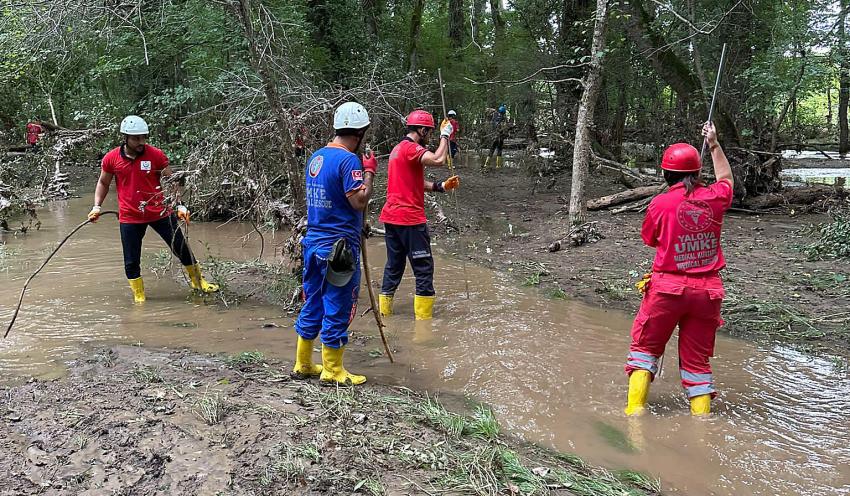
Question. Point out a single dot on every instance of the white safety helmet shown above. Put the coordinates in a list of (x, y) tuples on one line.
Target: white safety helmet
[(351, 115), (452, 113), (134, 126)]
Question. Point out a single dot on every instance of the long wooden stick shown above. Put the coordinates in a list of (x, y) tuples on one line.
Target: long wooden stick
[(44, 264), (367, 274), (451, 170)]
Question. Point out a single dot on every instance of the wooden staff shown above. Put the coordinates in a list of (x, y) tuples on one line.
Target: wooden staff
[(367, 274)]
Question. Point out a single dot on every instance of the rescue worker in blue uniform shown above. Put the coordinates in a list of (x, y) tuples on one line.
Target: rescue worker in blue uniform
[(338, 189)]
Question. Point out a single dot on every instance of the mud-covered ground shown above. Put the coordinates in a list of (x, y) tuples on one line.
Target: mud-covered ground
[(136, 421), (508, 219)]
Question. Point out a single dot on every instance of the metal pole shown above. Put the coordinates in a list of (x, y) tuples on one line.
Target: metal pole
[(451, 169), (714, 95)]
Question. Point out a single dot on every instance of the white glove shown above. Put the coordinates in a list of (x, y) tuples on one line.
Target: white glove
[(446, 129)]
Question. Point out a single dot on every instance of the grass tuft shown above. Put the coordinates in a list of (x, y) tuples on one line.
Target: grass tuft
[(211, 408), (245, 358)]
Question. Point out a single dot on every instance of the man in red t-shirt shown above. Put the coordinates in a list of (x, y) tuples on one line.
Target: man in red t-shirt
[(683, 225), (455, 133), (137, 168), (404, 211)]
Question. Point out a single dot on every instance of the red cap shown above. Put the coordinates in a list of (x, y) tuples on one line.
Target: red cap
[(420, 118), (681, 157)]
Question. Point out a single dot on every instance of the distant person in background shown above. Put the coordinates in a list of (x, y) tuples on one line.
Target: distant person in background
[(499, 130), (454, 148), (34, 133)]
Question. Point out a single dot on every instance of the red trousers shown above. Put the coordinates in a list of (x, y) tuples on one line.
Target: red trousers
[(692, 303)]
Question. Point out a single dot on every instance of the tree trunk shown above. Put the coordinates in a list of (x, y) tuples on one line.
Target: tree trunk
[(829, 109), (457, 23), (477, 14), (415, 30), (584, 121), (791, 99), (371, 13), (672, 69), (292, 167), (843, 84), (619, 127)]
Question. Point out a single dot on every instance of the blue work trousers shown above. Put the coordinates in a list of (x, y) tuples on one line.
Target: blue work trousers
[(328, 310), (170, 232)]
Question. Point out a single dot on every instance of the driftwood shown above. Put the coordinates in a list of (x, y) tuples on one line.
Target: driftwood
[(790, 196), (625, 196), (636, 206)]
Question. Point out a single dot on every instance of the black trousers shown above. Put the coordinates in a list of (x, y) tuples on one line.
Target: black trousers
[(496, 147), (408, 243), (168, 230)]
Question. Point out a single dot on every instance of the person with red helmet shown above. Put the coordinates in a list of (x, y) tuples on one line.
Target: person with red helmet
[(403, 214), (684, 226)]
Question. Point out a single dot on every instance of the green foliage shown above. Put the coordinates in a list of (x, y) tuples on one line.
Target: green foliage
[(831, 239)]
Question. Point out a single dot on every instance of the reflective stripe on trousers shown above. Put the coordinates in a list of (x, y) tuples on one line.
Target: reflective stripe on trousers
[(697, 384), (643, 361)]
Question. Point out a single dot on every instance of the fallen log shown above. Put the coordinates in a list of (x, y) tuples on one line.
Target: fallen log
[(790, 196), (625, 196), (636, 206)]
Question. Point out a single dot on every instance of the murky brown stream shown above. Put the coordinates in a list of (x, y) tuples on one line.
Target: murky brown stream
[(552, 370)]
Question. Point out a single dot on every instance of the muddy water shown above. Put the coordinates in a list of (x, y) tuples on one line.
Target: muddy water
[(552, 370)]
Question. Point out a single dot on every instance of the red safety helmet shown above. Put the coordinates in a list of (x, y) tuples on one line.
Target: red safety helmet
[(420, 118), (681, 157)]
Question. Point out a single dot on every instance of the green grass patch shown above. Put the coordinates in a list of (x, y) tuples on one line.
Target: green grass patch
[(246, 358)]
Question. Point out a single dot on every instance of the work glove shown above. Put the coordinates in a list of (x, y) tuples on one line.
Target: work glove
[(183, 214), (643, 285), (94, 214), (451, 183), (446, 128), (370, 162)]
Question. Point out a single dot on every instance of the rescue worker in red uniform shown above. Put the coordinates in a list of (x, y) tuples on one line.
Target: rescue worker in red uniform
[(403, 214), (453, 146), (137, 168), (684, 226), (34, 132)]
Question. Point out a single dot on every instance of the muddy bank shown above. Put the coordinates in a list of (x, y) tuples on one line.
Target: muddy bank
[(508, 219), (132, 420)]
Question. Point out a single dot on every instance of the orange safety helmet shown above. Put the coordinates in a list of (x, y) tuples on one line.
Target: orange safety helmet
[(420, 118), (681, 157)]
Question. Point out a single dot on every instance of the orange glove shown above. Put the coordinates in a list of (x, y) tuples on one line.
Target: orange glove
[(94, 214), (183, 214), (451, 183)]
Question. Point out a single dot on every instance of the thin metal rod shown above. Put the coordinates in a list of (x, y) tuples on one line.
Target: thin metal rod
[(714, 95), (452, 169)]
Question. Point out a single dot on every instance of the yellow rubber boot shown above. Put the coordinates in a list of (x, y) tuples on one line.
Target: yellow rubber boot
[(304, 366), (333, 372), (386, 304), (486, 163), (701, 405), (498, 161), (423, 307), (138, 287), (197, 281), (638, 392)]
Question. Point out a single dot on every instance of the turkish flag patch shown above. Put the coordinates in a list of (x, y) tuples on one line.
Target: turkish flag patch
[(357, 175)]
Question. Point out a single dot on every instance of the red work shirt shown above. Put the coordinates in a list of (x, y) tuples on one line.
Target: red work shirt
[(33, 130), (405, 204), (140, 197), (455, 130), (685, 230)]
